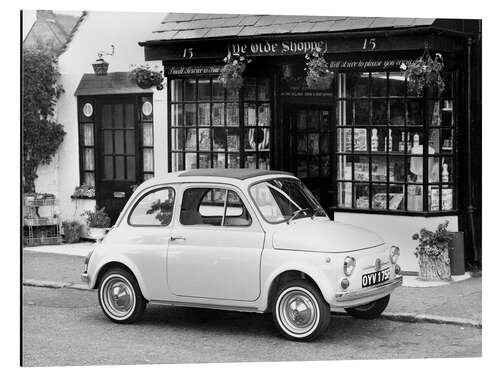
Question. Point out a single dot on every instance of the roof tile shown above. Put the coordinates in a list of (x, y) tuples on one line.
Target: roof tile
[(303, 27), (322, 26), (249, 20), (266, 20), (176, 17), (224, 31), (191, 34)]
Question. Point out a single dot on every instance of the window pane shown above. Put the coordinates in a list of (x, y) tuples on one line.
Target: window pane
[(358, 84), (263, 89), (177, 161), (396, 84), (447, 172), (415, 195), (233, 139), (204, 160), (176, 116), (176, 90), (379, 168), (191, 139), (218, 114), (415, 112), (130, 142), (265, 115), (203, 89), (217, 90), (236, 214), (154, 209), (250, 161), (129, 116), (190, 115), (433, 169), (148, 160), (219, 139), (232, 94), (202, 206), (447, 113), (204, 114), (119, 168), (360, 140), (396, 169), (344, 140), (361, 169), (344, 168), (250, 114), (131, 168), (379, 197), (232, 114), (88, 134), (233, 161), (379, 84), (344, 194), (118, 115), (219, 160), (397, 112), (190, 161), (107, 119), (264, 161), (178, 139), (250, 89), (204, 139), (108, 167), (379, 116), (88, 160), (119, 148), (433, 200), (147, 134), (396, 197), (89, 179), (108, 141), (189, 89), (447, 198), (361, 196), (361, 112)]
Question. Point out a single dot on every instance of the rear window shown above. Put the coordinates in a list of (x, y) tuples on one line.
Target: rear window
[(154, 208)]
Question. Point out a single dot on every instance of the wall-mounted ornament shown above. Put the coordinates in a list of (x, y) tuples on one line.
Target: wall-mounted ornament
[(87, 110), (100, 65), (147, 108)]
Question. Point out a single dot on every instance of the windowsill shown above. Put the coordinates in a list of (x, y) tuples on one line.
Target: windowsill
[(75, 198), (395, 213)]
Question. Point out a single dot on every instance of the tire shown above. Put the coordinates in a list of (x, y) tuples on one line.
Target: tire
[(371, 310), (120, 297), (298, 296)]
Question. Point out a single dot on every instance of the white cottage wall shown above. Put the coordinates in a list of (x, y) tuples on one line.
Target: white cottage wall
[(97, 32)]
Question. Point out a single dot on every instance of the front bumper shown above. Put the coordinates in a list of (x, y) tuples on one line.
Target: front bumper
[(362, 294)]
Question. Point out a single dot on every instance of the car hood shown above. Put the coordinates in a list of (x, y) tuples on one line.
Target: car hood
[(324, 236)]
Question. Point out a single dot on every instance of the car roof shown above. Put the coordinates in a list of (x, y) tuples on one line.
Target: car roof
[(237, 173)]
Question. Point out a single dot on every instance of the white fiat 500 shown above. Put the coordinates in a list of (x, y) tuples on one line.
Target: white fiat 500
[(240, 239)]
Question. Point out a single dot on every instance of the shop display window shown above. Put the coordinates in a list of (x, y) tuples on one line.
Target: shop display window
[(214, 127), (395, 151)]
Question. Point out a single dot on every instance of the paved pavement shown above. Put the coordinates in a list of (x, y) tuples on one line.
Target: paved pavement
[(457, 302), (67, 327)]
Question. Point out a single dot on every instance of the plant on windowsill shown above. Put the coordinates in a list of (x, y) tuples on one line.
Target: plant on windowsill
[(432, 252), (231, 74), (425, 72), (145, 77), (84, 191), (98, 222), (318, 74)]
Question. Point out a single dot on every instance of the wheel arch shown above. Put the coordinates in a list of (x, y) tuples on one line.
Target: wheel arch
[(287, 275)]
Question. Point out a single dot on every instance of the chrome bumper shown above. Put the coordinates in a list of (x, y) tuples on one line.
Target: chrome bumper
[(384, 288)]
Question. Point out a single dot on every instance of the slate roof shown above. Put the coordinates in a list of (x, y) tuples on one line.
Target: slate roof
[(177, 26), (109, 84)]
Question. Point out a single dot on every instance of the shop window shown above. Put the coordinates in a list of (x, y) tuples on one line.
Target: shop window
[(395, 152), (214, 127)]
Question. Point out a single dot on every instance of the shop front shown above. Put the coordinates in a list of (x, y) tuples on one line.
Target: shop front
[(373, 152)]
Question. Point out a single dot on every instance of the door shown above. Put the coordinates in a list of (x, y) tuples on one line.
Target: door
[(310, 130), (117, 158), (215, 246)]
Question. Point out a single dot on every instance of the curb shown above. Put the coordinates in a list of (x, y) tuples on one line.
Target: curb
[(398, 317), (55, 284)]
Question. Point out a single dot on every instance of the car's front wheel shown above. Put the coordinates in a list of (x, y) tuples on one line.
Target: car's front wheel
[(300, 312), (120, 297), (371, 310)]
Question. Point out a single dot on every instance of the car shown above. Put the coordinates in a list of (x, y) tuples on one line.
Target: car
[(240, 239)]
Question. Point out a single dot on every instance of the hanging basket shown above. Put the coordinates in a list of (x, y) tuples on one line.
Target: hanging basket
[(231, 74), (425, 73), (318, 74), (433, 268), (146, 78)]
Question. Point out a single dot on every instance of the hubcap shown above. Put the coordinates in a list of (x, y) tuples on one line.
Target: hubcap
[(298, 311), (118, 296)]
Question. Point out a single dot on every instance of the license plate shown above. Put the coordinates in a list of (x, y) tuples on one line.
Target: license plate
[(374, 278)]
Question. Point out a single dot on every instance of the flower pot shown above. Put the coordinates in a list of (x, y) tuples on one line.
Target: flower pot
[(100, 67), (435, 268), (96, 233)]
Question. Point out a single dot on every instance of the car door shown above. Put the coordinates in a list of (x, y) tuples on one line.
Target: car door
[(215, 246)]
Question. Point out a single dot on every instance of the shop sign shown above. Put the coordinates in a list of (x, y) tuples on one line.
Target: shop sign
[(383, 64), (272, 48), (176, 70)]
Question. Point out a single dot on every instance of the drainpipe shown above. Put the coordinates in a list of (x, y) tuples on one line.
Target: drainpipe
[(470, 207)]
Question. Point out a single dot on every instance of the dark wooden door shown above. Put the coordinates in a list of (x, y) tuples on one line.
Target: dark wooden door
[(118, 154), (310, 130)]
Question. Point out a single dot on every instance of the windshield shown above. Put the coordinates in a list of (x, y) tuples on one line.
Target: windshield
[(283, 199)]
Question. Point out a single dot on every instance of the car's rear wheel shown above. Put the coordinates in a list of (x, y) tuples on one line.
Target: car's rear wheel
[(371, 310), (120, 297), (300, 312)]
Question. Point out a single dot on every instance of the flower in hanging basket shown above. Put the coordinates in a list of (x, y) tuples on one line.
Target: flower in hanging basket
[(318, 74), (424, 72), (231, 75), (145, 77)]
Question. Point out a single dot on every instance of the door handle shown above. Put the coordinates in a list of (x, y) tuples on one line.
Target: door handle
[(177, 238)]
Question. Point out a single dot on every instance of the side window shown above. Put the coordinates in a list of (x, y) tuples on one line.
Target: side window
[(237, 214), (154, 208), (207, 206)]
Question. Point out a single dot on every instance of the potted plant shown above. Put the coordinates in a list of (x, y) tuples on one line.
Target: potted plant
[(84, 191), (97, 221), (423, 73), (72, 231), (432, 252), (318, 74), (145, 77), (231, 74)]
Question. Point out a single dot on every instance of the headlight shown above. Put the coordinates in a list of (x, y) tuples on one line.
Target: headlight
[(394, 254), (349, 264)]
